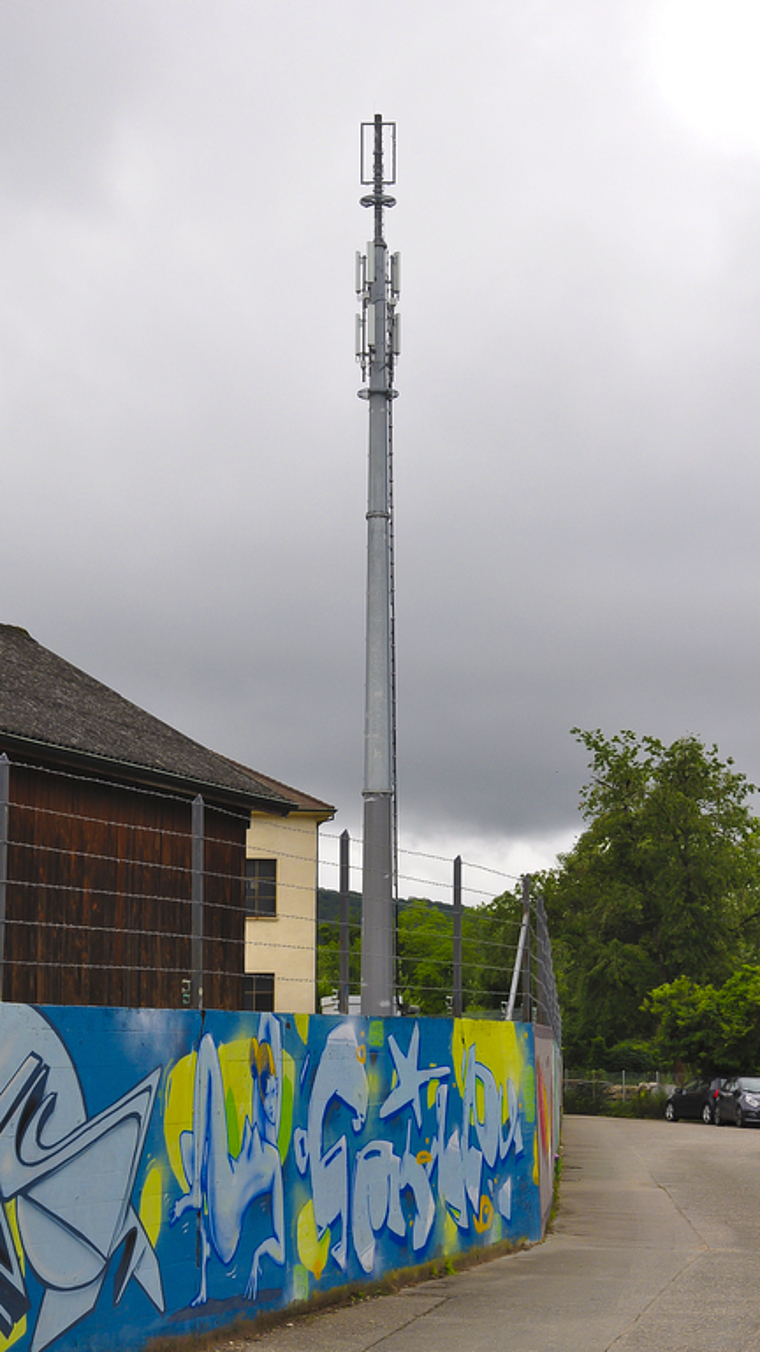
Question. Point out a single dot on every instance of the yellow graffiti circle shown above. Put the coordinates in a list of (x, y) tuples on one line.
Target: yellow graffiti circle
[(485, 1216)]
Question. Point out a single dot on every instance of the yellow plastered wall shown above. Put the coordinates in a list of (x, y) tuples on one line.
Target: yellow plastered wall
[(286, 944)]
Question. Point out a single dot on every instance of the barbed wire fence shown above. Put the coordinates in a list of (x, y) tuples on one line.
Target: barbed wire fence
[(116, 894), (481, 948)]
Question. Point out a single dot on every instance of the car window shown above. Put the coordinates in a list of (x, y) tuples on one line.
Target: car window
[(750, 1082)]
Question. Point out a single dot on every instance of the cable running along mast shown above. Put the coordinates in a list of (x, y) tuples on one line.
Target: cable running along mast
[(377, 346)]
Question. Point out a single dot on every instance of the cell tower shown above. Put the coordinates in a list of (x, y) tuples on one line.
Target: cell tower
[(377, 346)]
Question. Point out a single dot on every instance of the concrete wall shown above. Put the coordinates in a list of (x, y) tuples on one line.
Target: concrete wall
[(162, 1171)]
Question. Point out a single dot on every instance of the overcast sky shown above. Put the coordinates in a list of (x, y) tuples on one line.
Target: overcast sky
[(576, 438)]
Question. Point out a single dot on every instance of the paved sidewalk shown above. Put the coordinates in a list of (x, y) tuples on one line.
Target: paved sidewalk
[(640, 1259)]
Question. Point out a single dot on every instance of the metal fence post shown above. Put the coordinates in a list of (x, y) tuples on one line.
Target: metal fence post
[(196, 953), (527, 1016), (5, 785), (518, 966), (344, 936), (456, 1005)]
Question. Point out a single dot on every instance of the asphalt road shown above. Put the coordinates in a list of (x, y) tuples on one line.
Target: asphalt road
[(656, 1246)]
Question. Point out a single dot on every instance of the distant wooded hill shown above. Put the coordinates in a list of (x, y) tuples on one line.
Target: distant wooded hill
[(328, 906), (425, 951)]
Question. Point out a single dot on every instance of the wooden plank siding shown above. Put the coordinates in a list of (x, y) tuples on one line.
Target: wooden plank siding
[(98, 898)]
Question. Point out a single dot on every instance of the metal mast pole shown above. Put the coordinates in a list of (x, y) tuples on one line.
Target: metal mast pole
[(377, 345), (344, 950)]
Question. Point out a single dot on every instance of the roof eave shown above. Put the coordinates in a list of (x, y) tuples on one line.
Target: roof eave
[(144, 776)]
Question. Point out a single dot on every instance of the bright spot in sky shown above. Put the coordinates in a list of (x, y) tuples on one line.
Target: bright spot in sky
[(706, 59)]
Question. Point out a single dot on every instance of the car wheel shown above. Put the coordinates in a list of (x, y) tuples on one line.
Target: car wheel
[(739, 1119), (670, 1113), (707, 1116)]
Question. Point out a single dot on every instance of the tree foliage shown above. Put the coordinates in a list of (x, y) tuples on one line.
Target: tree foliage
[(713, 1031), (425, 949), (425, 956), (654, 917), (661, 885)]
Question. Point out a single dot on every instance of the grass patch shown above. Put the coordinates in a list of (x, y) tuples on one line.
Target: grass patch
[(555, 1195)]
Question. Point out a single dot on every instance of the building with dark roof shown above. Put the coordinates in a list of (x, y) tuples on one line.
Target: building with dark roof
[(78, 722), (281, 903), (122, 845)]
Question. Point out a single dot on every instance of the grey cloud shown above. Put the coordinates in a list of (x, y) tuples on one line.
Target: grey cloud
[(66, 69), (184, 454)]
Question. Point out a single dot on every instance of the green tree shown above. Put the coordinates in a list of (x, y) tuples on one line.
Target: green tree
[(425, 956), (688, 1025), (494, 931), (328, 943), (711, 1030), (661, 884), (425, 948)]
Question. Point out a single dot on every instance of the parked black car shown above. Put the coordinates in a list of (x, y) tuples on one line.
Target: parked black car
[(739, 1101), (696, 1100)]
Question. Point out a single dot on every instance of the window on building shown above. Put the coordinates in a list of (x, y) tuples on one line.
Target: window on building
[(261, 886), (258, 991)]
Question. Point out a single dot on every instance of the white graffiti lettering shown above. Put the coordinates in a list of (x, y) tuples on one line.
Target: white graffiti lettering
[(340, 1075)]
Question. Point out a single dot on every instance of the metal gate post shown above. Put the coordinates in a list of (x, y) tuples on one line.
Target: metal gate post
[(344, 936), (527, 1013), (196, 944), (5, 785), (456, 1003)]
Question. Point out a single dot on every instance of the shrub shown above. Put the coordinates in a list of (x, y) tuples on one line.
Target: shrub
[(593, 1098)]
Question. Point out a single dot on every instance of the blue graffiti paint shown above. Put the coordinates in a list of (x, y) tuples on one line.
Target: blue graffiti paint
[(70, 1177), (222, 1187), (160, 1171)]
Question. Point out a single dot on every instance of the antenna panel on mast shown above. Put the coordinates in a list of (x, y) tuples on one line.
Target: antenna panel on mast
[(396, 335), (396, 274)]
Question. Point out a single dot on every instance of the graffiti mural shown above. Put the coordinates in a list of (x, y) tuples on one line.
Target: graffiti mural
[(162, 1171), (220, 1186), (66, 1183), (546, 1114), (340, 1076)]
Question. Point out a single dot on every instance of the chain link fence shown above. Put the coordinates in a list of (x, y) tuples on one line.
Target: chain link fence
[(121, 895), (611, 1092)]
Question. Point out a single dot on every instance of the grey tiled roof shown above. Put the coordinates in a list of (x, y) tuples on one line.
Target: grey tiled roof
[(45, 700), (303, 802)]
